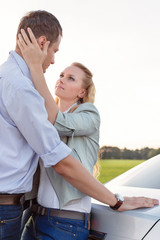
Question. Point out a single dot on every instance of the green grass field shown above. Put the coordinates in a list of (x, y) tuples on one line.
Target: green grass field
[(111, 168)]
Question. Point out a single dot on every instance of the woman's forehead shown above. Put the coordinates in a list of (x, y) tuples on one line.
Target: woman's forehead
[(74, 70)]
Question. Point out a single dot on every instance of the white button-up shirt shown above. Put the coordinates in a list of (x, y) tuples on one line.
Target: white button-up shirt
[(25, 132)]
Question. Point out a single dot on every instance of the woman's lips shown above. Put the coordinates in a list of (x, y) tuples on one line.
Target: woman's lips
[(59, 86)]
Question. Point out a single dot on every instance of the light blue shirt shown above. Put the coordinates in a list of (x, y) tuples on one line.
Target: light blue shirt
[(25, 132)]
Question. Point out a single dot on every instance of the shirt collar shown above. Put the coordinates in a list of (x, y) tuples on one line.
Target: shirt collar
[(21, 63)]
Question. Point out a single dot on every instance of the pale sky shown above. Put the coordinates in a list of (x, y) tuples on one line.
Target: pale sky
[(119, 41)]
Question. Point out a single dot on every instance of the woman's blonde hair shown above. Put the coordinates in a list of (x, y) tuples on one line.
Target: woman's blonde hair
[(87, 83)]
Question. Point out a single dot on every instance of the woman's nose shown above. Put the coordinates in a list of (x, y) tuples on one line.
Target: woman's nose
[(62, 79)]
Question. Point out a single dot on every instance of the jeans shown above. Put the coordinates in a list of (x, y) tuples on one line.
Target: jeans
[(10, 222), (49, 228)]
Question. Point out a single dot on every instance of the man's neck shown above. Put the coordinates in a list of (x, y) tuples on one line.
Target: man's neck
[(18, 51)]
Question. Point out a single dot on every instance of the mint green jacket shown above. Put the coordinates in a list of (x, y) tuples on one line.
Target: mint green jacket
[(80, 131)]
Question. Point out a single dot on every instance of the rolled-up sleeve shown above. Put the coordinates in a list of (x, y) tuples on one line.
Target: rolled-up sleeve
[(27, 110)]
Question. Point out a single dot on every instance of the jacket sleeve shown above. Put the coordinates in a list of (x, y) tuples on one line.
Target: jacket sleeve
[(82, 122)]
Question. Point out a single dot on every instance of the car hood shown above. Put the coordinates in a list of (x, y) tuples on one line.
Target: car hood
[(133, 224)]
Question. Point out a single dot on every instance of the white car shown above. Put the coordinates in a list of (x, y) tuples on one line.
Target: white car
[(139, 224)]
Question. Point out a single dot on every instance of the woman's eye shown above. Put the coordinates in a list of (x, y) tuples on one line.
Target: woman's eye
[(71, 78), (61, 75)]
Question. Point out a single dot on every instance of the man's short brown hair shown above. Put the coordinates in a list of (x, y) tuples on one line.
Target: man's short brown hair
[(42, 23)]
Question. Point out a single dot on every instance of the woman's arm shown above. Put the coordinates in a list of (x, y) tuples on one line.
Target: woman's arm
[(84, 121), (65, 123), (34, 58)]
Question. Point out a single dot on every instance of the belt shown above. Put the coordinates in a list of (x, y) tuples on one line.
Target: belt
[(10, 199), (38, 209)]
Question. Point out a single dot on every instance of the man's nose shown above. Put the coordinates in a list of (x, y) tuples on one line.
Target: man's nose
[(52, 61)]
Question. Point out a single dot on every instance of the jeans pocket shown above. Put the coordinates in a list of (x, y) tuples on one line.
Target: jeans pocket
[(11, 228), (63, 225), (13, 220), (71, 230)]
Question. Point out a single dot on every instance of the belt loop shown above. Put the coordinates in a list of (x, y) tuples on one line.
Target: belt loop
[(43, 211), (30, 203), (22, 201), (39, 210), (48, 213), (86, 220)]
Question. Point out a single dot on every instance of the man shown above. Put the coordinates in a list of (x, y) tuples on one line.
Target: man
[(26, 134)]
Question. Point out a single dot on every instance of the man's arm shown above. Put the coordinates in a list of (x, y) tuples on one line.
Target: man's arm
[(76, 174), (26, 109)]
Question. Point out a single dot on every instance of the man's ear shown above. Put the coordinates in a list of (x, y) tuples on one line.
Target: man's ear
[(41, 41)]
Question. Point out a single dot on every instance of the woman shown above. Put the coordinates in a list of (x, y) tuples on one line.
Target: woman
[(64, 211), (77, 123)]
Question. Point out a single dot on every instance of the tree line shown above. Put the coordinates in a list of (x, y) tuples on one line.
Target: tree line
[(110, 152)]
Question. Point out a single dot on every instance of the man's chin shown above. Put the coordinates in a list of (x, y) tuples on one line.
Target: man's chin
[(44, 69)]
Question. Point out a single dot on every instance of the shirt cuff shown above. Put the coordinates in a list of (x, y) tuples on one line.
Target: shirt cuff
[(60, 152)]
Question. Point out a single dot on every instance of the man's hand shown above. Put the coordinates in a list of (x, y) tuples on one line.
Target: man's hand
[(131, 203)]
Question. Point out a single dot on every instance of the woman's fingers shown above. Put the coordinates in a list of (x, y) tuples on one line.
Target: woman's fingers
[(30, 49), (45, 47), (21, 42), (32, 42), (29, 42), (32, 37), (25, 37)]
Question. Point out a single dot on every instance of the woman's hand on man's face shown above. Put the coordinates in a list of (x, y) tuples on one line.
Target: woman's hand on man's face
[(34, 51)]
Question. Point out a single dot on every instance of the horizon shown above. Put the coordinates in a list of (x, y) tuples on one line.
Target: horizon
[(132, 149)]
